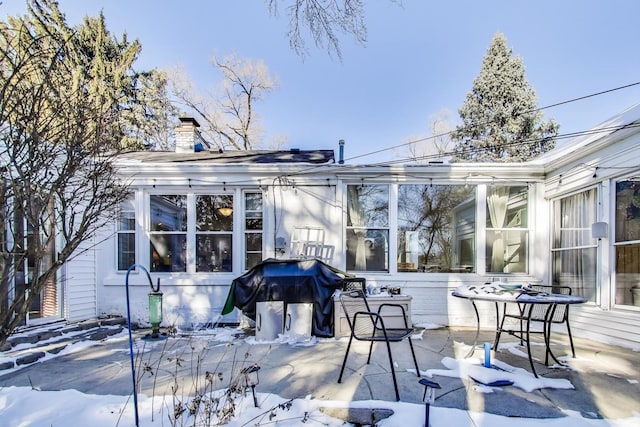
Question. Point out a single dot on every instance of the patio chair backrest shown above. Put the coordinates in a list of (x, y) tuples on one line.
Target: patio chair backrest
[(354, 283), (560, 312), (354, 302)]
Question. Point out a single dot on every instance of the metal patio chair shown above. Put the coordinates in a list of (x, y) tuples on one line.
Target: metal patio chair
[(367, 325), (548, 315)]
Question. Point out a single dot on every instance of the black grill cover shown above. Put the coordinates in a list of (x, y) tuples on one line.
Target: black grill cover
[(291, 281)]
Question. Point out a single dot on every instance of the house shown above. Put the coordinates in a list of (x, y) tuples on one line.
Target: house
[(198, 218)]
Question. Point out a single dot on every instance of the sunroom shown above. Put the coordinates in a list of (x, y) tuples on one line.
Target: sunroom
[(199, 219)]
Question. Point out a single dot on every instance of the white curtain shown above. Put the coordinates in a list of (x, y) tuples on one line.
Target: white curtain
[(575, 217), (497, 202), (355, 217)]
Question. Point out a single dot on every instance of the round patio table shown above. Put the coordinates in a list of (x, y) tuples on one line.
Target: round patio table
[(506, 293)]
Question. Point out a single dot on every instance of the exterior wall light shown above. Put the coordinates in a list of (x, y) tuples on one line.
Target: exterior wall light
[(599, 230)]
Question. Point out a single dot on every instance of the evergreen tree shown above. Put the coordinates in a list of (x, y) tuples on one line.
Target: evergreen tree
[(65, 98), (499, 117)]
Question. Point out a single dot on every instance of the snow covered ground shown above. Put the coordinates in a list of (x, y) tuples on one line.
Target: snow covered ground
[(21, 406), (24, 406)]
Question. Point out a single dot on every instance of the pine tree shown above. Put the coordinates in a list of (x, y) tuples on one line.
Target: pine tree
[(64, 95), (500, 121)]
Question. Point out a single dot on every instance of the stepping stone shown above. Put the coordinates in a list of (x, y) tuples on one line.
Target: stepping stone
[(104, 333), (29, 358), (6, 365), (358, 416)]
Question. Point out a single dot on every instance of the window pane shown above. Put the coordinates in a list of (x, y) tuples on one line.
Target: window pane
[(253, 245), (367, 250), (253, 202), (253, 229), (627, 211), (368, 206), (168, 213), (627, 229), (507, 251), (253, 221), (126, 250), (576, 268), (125, 227), (254, 242), (213, 252), (572, 218), (127, 216), (127, 221), (507, 207), (214, 213), (628, 274), (573, 264), (436, 228), (168, 252), (252, 259)]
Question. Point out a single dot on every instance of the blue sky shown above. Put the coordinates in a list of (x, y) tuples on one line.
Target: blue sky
[(420, 57)]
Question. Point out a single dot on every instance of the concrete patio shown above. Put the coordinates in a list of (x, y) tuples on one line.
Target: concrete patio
[(605, 378)]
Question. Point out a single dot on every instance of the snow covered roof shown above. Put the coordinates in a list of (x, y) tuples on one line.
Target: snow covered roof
[(233, 157), (594, 138)]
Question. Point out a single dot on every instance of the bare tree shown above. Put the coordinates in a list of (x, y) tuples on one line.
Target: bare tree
[(230, 119), (325, 20), (61, 101), (438, 145)]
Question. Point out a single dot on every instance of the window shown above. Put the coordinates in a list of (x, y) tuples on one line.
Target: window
[(168, 233), (252, 229), (573, 249), (34, 253), (436, 228), (126, 234), (200, 228), (368, 227), (507, 233), (214, 232), (627, 242)]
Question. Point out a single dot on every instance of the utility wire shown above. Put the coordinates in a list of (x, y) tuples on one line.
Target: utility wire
[(486, 123), (285, 181), (435, 156)]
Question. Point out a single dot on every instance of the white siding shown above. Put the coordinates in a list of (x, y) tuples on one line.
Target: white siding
[(599, 163), (612, 327), (80, 284)]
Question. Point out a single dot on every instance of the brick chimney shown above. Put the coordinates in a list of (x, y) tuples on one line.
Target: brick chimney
[(188, 136)]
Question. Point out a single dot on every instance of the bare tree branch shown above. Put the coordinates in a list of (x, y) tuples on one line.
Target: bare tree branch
[(325, 21), (229, 116), (61, 128)]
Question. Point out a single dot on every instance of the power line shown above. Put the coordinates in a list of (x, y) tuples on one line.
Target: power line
[(519, 142), (284, 180), (484, 124), (436, 156), (588, 96)]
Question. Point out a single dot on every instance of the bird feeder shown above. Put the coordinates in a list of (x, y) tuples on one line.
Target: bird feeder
[(155, 310)]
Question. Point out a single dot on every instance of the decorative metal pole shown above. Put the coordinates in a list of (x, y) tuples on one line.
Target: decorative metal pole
[(133, 365)]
